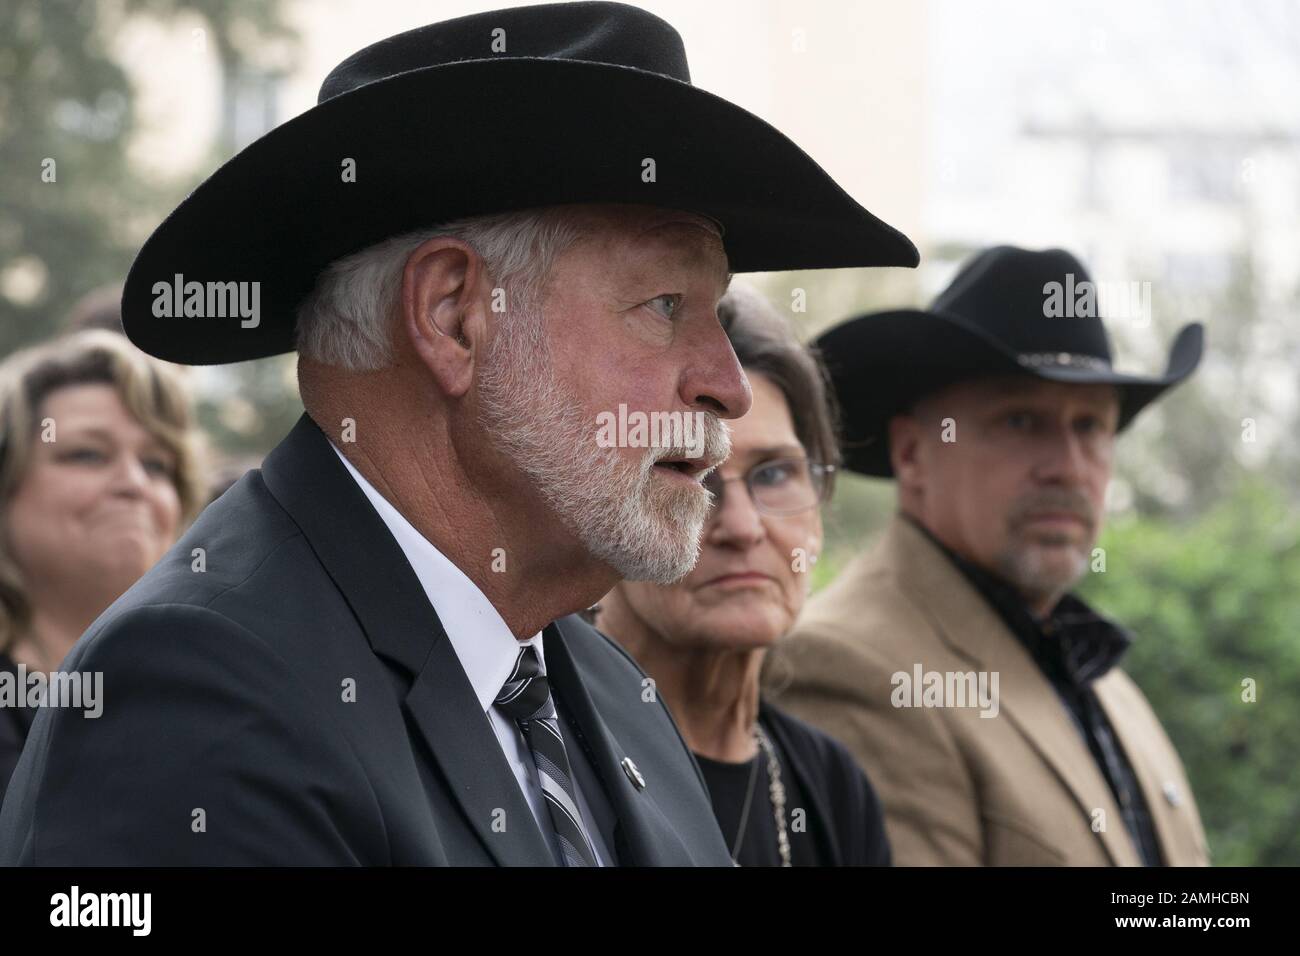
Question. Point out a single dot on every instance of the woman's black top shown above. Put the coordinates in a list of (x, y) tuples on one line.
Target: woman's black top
[(15, 721), (832, 814)]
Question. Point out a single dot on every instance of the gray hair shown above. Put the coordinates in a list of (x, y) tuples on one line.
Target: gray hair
[(766, 342), (348, 317)]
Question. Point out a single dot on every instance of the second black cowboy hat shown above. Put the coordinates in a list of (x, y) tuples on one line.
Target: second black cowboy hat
[(996, 318), (498, 111)]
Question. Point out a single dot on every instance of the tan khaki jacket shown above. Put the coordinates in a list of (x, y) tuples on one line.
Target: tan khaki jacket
[(1020, 788)]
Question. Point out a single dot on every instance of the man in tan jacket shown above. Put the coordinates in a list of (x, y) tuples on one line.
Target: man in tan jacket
[(979, 693)]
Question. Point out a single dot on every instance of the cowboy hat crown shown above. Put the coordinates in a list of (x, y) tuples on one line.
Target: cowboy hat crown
[(498, 111), (1008, 311)]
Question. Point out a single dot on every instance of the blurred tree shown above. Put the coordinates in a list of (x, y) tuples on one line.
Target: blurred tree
[(1187, 451), (1214, 606), (66, 117), (248, 407)]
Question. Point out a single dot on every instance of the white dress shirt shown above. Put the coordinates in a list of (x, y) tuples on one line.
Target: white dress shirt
[(487, 651)]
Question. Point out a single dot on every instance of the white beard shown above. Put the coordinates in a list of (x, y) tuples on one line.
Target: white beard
[(1024, 566), (645, 529)]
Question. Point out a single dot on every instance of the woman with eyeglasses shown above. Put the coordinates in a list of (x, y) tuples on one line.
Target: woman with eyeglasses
[(784, 793)]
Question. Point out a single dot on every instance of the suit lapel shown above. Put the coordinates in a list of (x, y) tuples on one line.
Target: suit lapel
[(369, 568), (1136, 743), (642, 835), (444, 708), (973, 629)]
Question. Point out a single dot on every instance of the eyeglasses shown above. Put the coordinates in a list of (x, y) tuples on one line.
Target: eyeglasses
[(779, 486)]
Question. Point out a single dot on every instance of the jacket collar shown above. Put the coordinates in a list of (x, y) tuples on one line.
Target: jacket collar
[(643, 836), (969, 625), (368, 567), (485, 646), (1073, 642)]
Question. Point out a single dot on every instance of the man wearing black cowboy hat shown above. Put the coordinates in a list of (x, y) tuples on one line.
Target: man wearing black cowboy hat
[(489, 233), (952, 658)]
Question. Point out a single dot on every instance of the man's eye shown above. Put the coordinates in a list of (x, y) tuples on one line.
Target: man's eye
[(666, 304), (1020, 420)]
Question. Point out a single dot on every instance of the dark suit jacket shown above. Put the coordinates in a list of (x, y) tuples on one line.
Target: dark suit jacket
[(226, 737)]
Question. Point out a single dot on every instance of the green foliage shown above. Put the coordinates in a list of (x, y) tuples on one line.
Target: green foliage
[(62, 98), (1212, 603), (859, 510), (73, 227)]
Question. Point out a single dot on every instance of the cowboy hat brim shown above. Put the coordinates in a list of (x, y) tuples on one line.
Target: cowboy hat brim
[(472, 138), (880, 364)]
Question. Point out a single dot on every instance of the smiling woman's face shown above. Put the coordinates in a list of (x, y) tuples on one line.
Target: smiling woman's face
[(744, 590), (98, 505)]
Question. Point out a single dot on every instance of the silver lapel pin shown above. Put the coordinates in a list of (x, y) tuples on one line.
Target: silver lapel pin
[(633, 774)]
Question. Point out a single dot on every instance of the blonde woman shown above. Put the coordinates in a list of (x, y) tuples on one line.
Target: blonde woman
[(99, 473)]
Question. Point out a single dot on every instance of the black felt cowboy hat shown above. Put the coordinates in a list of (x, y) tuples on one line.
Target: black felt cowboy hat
[(1001, 315), (510, 109)]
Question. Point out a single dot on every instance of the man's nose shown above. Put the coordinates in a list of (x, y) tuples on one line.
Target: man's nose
[(716, 382), (1064, 457)]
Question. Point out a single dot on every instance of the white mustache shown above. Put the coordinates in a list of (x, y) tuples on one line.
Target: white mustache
[(1066, 501), (716, 444)]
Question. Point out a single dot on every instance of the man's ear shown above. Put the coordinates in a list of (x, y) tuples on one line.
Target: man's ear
[(905, 449), (443, 311)]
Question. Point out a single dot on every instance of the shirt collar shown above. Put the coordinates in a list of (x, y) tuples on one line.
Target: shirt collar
[(486, 647), (1073, 642)]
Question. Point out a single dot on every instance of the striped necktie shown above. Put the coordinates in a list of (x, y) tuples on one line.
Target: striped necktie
[(526, 697)]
